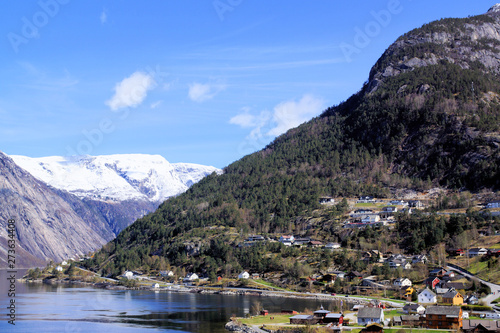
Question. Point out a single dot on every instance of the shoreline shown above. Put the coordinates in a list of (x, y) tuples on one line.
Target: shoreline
[(201, 290), (231, 325)]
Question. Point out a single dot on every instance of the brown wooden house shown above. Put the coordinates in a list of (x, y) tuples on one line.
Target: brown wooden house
[(443, 317)]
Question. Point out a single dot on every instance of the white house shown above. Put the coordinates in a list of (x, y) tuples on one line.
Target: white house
[(372, 218), (166, 273), (476, 252), (59, 269), (287, 240), (64, 263), (413, 309), (191, 277), (398, 203), (402, 282), (421, 258), (366, 199), (332, 246), (156, 285), (326, 200), (427, 297), (244, 275)]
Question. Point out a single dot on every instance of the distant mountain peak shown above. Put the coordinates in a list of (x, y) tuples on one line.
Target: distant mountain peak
[(495, 8), (117, 177)]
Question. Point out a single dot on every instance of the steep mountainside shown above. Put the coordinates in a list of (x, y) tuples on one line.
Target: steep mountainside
[(46, 225), (88, 201), (429, 115), (117, 188)]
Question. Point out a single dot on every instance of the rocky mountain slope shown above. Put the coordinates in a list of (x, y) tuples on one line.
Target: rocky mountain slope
[(77, 204), (118, 188), (428, 116), (46, 225)]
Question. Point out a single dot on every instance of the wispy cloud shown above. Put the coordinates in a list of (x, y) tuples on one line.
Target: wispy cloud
[(156, 104), (104, 16), (200, 92), (285, 116), (131, 91), (40, 80)]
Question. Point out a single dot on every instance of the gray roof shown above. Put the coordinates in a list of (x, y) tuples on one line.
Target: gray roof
[(450, 293), (489, 324), (367, 312), (412, 306), (428, 291), (302, 317), (410, 317), (442, 291), (449, 311), (334, 315), (321, 312)]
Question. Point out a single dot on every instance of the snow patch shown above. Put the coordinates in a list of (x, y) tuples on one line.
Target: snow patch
[(116, 177)]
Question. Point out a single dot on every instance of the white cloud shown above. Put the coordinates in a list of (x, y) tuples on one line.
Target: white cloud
[(131, 91), (103, 17), (291, 113), (244, 119), (200, 92), (285, 116)]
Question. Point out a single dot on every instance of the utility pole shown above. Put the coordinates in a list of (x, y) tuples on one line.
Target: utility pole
[(473, 96)]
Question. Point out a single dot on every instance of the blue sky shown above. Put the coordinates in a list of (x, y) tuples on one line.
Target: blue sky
[(194, 81)]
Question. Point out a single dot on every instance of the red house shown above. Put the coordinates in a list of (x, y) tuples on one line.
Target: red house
[(432, 282), (335, 318)]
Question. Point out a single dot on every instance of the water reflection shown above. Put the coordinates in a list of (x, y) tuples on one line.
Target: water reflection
[(70, 308)]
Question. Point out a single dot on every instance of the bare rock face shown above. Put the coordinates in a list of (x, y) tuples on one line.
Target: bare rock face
[(46, 225), (464, 42)]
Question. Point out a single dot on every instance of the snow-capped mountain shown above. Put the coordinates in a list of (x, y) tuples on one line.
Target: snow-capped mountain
[(116, 177)]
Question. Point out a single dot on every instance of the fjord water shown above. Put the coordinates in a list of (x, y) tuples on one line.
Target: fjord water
[(70, 308)]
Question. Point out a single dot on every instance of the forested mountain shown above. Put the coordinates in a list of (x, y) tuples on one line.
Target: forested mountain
[(429, 115)]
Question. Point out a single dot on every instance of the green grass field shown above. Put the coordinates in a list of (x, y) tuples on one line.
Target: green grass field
[(392, 313), (261, 320)]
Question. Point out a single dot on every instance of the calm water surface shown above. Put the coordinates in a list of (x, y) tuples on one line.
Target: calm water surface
[(62, 308)]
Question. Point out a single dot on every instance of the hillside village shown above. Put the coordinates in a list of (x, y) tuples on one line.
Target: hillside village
[(409, 288)]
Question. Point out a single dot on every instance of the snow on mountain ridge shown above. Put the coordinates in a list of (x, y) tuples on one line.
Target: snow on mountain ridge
[(116, 177)]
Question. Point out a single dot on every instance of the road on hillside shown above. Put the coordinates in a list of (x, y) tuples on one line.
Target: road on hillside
[(495, 288)]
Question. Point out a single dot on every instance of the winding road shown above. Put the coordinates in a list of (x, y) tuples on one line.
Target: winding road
[(495, 288)]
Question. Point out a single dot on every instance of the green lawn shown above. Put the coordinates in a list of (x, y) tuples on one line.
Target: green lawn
[(477, 267), (392, 313), (260, 320), (269, 284), (420, 330)]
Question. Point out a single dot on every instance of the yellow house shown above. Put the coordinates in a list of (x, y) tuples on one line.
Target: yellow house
[(406, 292), (453, 297)]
